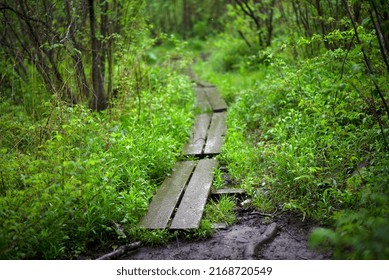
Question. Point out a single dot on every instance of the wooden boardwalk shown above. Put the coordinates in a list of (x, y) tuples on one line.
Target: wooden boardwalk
[(209, 99), (196, 143), (164, 202), (216, 133), (180, 201), (210, 127), (192, 205)]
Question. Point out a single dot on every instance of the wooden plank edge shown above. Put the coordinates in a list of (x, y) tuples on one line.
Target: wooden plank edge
[(229, 191), (219, 226), (192, 147), (216, 101), (177, 221), (149, 221), (216, 134)]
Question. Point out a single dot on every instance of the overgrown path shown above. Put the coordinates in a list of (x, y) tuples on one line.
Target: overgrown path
[(179, 204), (180, 201), (248, 238)]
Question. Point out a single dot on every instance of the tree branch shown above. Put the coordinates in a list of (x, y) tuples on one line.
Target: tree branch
[(120, 251), (22, 15), (367, 61)]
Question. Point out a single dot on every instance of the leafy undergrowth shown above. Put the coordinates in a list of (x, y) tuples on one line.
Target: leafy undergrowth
[(309, 137), (67, 179), (221, 211)]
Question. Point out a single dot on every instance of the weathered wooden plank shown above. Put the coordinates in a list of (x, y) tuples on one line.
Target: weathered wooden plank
[(229, 191), (165, 200), (202, 100), (205, 84), (219, 226), (216, 134), (192, 205), (199, 133), (217, 102), (192, 75)]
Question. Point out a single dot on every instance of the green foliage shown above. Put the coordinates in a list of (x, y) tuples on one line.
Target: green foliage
[(237, 56), (204, 231), (186, 18), (67, 178), (307, 125), (221, 211), (151, 238), (218, 179), (309, 136), (361, 233)]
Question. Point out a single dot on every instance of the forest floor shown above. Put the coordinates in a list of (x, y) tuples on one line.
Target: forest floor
[(233, 243), (290, 242)]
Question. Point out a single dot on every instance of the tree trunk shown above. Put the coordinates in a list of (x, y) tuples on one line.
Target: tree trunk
[(321, 21), (99, 100), (104, 33), (82, 82), (269, 23), (381, 27)]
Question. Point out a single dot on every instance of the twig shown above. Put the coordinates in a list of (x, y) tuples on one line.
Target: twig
[(344, 60), (67, 33), (119, 229), (244, 38), (274, 214), (121, 251)]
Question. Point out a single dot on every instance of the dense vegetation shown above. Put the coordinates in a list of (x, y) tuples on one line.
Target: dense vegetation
[(69, 174), (95, 109)]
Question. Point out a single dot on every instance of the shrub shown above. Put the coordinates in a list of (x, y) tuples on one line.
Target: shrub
[(75, 173), (309, 137)]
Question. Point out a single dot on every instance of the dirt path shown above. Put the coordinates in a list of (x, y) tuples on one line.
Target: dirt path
[(290, 242)]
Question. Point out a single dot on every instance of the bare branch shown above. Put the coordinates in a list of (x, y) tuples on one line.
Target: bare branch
[(121, 251), (22, 15)]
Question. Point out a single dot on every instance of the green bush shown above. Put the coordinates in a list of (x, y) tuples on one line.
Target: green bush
[(361, 232), (66, 179), (308, 137)]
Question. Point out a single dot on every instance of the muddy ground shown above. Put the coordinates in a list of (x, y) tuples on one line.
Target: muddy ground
[(251, 237), (289, 243)]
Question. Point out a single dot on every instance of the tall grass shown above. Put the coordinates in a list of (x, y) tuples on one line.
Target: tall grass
[(301, 138), (69, 177)]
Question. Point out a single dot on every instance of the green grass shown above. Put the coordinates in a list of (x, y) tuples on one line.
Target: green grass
[(221, 211), (301, 139), (216, 211), (66, 178)]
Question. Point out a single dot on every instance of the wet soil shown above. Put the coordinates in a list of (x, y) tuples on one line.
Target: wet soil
[(290, 242), (246, 239)]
